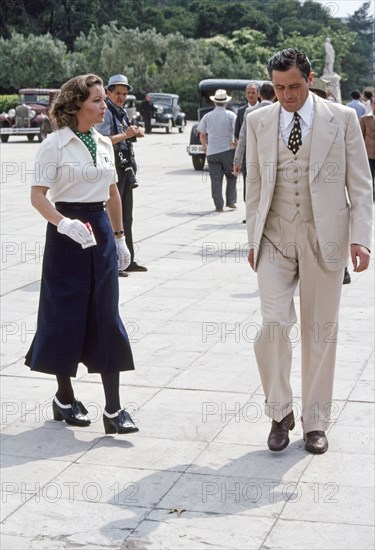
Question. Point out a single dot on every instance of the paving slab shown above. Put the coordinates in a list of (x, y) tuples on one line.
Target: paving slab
[(198, 474)]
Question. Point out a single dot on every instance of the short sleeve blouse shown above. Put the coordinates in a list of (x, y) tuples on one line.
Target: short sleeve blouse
[(64, 164)]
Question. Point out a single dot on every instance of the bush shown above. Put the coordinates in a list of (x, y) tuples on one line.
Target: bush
[(190, 108), (8, 102)]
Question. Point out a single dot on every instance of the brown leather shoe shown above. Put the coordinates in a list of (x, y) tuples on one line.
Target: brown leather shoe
[(279, 434), (316, 442)]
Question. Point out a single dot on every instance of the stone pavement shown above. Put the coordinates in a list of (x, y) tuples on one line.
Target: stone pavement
[(198, 474)]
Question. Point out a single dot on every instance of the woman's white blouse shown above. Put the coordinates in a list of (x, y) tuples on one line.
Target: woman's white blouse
[(64, 165)]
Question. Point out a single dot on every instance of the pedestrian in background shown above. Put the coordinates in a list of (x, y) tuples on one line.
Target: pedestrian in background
[(356, 103), (117, 127), (216, 134), (147, 112), (367, 101), (266, 96), (252, 93), (367, 123), (78, 316)]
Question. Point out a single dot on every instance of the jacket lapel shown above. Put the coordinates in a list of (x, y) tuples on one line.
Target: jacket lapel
[(268, 138), (322, 138)]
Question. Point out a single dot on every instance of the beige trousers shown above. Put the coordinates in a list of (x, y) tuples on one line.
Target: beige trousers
[(289, 254)]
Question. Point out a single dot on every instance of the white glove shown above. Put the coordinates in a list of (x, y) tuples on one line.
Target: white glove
[(123, 253), (74, 229)]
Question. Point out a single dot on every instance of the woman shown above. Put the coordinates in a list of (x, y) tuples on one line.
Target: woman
[(78, 317)]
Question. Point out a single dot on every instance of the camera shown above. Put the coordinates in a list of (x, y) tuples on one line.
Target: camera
[(129, 171)]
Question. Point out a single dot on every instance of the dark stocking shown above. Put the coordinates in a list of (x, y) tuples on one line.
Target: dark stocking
[(111, 385), (65, 393)]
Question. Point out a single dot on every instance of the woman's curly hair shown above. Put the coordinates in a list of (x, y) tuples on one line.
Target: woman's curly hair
[(69, 100)]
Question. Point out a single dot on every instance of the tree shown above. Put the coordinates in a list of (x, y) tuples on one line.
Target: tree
[(313, 46), (38, 61), (357, 65), (244, 55)]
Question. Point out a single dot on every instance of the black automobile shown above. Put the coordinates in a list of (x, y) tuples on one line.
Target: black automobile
[(206, 88), (167, 112)]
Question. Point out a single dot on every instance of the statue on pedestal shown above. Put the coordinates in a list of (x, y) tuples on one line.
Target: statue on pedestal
[(330, 57), (333, 89)]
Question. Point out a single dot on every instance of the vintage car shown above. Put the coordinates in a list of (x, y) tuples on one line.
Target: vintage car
[(31, 116), (131, 109), (167, 112), (206, 88)]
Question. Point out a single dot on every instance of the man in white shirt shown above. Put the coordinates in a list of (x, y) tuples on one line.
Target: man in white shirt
[(217, 137), (252, 93), (266, 96), (305, 156)]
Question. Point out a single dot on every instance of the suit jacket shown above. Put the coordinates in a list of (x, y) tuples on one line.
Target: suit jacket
[(240, 117), (241, 144), (339, 171), (367, 123), (239, 120)]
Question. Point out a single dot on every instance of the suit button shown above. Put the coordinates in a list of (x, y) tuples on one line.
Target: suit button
[(297, 205), (296, 193)]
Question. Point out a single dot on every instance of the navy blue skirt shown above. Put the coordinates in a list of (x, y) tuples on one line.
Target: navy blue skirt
[(78, 316)]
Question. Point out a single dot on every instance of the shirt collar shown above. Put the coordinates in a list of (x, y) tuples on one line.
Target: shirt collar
[(305, 112), (120, 110), (66, 134)]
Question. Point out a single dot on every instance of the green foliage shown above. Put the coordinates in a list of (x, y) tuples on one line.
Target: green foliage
[(151, 61), (357, 65), (313, 46), (169, 45), (33, 61), (8, 102), (244, 55)]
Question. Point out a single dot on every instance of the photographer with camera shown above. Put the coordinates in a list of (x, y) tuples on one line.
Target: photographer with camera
[(122, 134)]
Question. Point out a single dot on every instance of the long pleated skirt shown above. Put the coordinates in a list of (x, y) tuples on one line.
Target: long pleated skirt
[(78, 316)]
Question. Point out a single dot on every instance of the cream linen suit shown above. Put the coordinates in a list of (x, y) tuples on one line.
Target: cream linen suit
[(313, 252)]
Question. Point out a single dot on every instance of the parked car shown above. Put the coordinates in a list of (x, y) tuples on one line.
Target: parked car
[(131, 110), (167, 112), (206, 88), (31, 116)]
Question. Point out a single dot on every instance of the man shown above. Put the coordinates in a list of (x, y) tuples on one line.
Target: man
[(252, 92), (356, 103), (117, 127), (218, 125), (147, 112), (303, 155), (266, 96), (367, 123)]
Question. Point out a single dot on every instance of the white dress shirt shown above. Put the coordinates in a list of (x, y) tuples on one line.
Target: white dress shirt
[(306, 113)]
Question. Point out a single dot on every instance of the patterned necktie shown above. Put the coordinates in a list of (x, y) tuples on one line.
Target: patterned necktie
[(295, 138)]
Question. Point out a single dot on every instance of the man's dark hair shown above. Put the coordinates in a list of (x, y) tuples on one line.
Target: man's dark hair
[(355, 94), (367, 94), (267, 91), (287, 59)]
